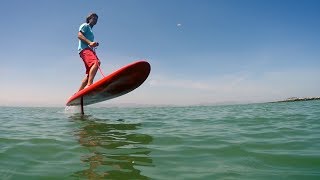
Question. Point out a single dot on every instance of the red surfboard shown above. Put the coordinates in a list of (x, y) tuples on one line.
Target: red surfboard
[(116, 84)]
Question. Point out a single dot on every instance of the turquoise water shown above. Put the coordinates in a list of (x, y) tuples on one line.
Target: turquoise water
[(255, 141)]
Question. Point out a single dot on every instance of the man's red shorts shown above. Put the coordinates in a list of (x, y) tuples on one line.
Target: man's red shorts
[(89, 57)]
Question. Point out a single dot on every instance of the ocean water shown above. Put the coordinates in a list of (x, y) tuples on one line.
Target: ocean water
[(254, 141)]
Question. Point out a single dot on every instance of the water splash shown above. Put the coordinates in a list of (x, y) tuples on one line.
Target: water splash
[(72, 109)]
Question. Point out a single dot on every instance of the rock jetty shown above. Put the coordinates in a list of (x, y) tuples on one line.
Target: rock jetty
[(293, 99)]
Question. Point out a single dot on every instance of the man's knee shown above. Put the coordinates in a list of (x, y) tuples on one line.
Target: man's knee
[(96, 63)]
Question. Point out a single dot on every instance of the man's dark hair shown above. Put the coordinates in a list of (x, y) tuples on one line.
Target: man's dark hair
[(91, 15)]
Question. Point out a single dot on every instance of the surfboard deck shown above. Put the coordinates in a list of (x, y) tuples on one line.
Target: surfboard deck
[(113, 85)]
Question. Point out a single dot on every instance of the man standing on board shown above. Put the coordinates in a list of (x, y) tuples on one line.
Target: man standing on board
[(85, 49)]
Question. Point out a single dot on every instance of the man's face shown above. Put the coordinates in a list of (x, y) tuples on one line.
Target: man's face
[(93, 20)]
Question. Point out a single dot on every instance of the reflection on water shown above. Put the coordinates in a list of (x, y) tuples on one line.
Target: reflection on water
[(116, 150)]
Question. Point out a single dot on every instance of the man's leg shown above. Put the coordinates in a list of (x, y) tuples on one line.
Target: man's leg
[(92, 73), (84, 83)]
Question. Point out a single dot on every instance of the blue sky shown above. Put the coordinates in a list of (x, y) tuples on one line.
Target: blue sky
[(205, 51)]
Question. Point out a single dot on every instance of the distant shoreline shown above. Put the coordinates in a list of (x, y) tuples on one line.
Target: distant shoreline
[(294, 99)]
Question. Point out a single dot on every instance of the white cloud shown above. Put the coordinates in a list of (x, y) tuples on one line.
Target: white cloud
[(242, 87)]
